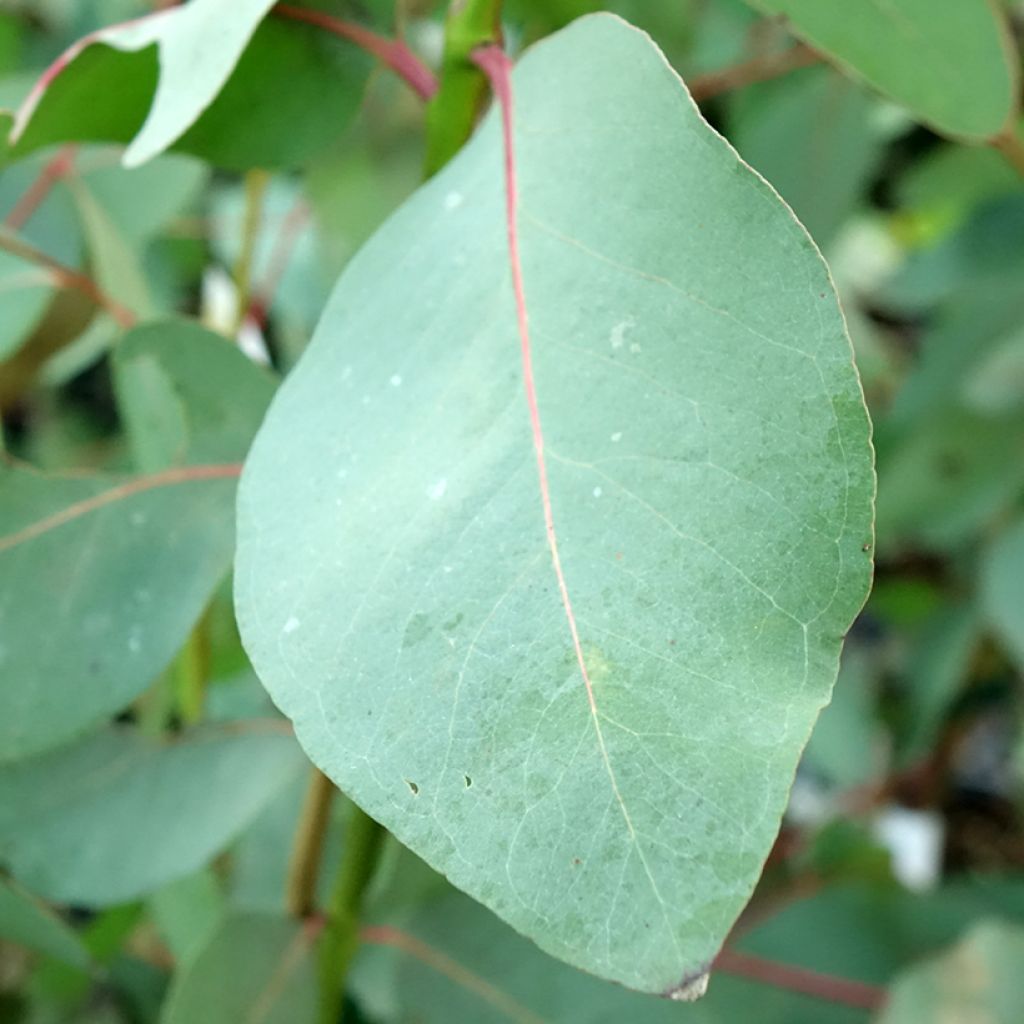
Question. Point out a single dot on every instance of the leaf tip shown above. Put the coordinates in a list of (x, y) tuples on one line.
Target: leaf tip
[(693, 985)]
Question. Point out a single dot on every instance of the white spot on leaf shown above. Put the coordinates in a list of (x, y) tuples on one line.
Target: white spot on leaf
[(436, 491), (618, 335), (396, 380), (453, 200), (617, 437), (291, 625), (598, 492)]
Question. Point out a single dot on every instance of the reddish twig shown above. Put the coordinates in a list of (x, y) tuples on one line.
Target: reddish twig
[(66, 277), (56, 168), (826, 987), (167, 477), (392, 52), (762, 68), (290, 229)]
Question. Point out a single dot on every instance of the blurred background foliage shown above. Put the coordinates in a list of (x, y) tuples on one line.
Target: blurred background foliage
[(164, 882)]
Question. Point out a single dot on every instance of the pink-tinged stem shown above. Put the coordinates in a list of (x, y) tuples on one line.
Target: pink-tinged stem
[(60, 166), (392, 52), (66, 277), (165, 478), (826, 987), (288, 235)]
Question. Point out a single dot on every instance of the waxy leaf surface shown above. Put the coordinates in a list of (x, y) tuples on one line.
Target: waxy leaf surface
[(951, 63), (117, 815), (711, 486)]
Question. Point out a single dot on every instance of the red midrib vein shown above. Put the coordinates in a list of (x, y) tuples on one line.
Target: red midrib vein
[(494, 62)]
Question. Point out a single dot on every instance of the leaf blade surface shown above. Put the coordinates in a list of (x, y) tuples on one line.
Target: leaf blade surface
[(711, 483)]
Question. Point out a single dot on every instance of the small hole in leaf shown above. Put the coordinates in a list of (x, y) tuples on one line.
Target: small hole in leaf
[(468, 781), (413, 788)]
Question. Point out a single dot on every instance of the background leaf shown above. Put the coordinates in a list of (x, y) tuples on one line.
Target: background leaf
[(28, 922), (120, 568), (273, 977), (100, 821), (289, 92), (980, 979), (951, 64)]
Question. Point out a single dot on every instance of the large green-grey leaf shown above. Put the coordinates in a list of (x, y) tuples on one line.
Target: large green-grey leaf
[(980, 979), (710, 478), (951, 63), (256, 968), (26, 921), (102, 578), (239, 94), (116, 816)]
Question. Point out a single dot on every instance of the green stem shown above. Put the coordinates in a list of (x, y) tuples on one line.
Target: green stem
[(364, 839), (255, 188), (1012, 148), (453, 111), (308, 848), (191, 671)]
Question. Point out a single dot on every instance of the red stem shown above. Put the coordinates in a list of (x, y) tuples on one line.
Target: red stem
[(66, 277), (826, 987), (392, 52), (758, 69), (56, 168), (284, 245)]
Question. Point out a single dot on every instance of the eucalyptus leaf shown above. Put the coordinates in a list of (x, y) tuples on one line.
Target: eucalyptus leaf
[(256, 967), (812, 135), (980, 979), (118, 569), (394, 584), (117, 816), (204, 77), (952, 64), (28, 922)]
